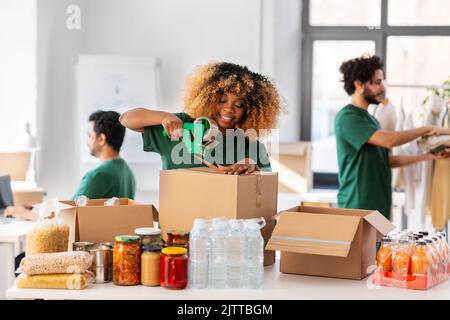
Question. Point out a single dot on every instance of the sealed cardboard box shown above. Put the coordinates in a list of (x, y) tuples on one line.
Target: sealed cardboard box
[(23, 197), (98, 223), (293, 164), (328, 242), (186, 194), (15, 164)]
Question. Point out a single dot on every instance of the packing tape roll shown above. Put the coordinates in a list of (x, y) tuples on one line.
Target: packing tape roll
[(211, 128)]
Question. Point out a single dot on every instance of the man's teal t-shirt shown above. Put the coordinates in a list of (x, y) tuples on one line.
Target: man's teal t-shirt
[(113, 178), (364, 171)]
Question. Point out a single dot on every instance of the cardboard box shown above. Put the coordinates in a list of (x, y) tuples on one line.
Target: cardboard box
[(15, 164), (328, 242), (22, 198), (266, 232), (293, 164), (186, 194), (98, 223)]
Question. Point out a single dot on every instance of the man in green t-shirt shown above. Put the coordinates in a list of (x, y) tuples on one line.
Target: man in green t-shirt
[(363, 147), (113, 177)]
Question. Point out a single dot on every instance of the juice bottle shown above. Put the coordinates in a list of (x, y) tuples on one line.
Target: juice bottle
[(444, 247), (412, 243), (384, 255), (434, 263), (401, 266), (420, 260)]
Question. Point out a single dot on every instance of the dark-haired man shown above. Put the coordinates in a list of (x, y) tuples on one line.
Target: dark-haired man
[(363, 147), (113, 177)]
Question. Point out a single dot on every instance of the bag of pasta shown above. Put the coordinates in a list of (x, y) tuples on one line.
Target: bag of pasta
[(56, 263), (50, 234), (73, 281)]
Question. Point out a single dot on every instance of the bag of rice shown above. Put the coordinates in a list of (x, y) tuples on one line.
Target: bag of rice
[(54, 281), (56, 263)]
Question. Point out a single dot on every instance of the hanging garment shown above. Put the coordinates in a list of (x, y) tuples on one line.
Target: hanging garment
[(411, 173), (431, 117), (385, 114), (440, 190), (391, 119)]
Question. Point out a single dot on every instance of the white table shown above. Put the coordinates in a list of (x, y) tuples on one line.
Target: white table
[(277, 286), (12, 243)]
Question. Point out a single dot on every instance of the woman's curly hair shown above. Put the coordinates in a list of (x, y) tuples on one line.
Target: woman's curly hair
[(209, 82), (361, 69)]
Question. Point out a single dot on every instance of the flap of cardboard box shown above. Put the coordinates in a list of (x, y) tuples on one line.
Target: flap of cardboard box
[(98, 223), (379, 222), (318, 234)]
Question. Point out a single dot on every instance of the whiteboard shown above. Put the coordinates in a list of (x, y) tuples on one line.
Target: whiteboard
[(116, 83)]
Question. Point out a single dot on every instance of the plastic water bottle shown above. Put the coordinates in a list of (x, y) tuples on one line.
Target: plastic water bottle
[(254, 253), (235, 254), (199, 248), (218, 254)]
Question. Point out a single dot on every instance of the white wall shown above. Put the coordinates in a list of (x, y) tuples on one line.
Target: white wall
[(17, 69), (57, 49), (262, 34)]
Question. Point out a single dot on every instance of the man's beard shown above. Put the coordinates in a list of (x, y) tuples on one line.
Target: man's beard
[(370, 97), (93, 153)]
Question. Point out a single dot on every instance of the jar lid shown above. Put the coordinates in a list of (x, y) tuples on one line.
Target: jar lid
[(178, 233), (147, 231), (151, 248), (127, 238), (174, 250), (83, 244)]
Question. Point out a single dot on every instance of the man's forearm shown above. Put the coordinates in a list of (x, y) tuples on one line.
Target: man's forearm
[(401, 137), (401, 161)]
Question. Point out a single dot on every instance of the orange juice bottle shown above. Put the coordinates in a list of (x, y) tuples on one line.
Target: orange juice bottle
[(436, 247), (413, 238), (433, 253), (401, 265), (443, 248), (421, 259), (384, 255)]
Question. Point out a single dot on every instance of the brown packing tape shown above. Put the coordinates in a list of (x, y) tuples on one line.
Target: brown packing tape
[(258, 201)]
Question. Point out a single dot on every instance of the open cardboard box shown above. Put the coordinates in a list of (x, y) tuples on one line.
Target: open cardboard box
[(186, 194), (98, 223), (328, 242)]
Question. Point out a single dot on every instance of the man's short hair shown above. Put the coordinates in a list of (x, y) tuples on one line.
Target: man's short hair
[(107, 122), (361, 69)]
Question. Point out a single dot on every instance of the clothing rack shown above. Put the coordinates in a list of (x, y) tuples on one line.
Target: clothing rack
[(418, 86)]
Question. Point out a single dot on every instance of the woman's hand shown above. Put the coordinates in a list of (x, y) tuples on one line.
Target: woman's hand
[(244, 167), (173, 126)]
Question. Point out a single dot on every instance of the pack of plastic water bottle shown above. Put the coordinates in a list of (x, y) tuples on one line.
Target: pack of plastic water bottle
[(226, 253)]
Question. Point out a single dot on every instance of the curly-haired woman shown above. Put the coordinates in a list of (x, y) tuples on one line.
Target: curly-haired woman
[(234, 98)]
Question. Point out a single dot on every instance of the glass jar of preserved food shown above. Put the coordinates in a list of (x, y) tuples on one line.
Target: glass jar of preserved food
[(174, 268), (150, 263), (150, 237), (127, 260), (177, 238)]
